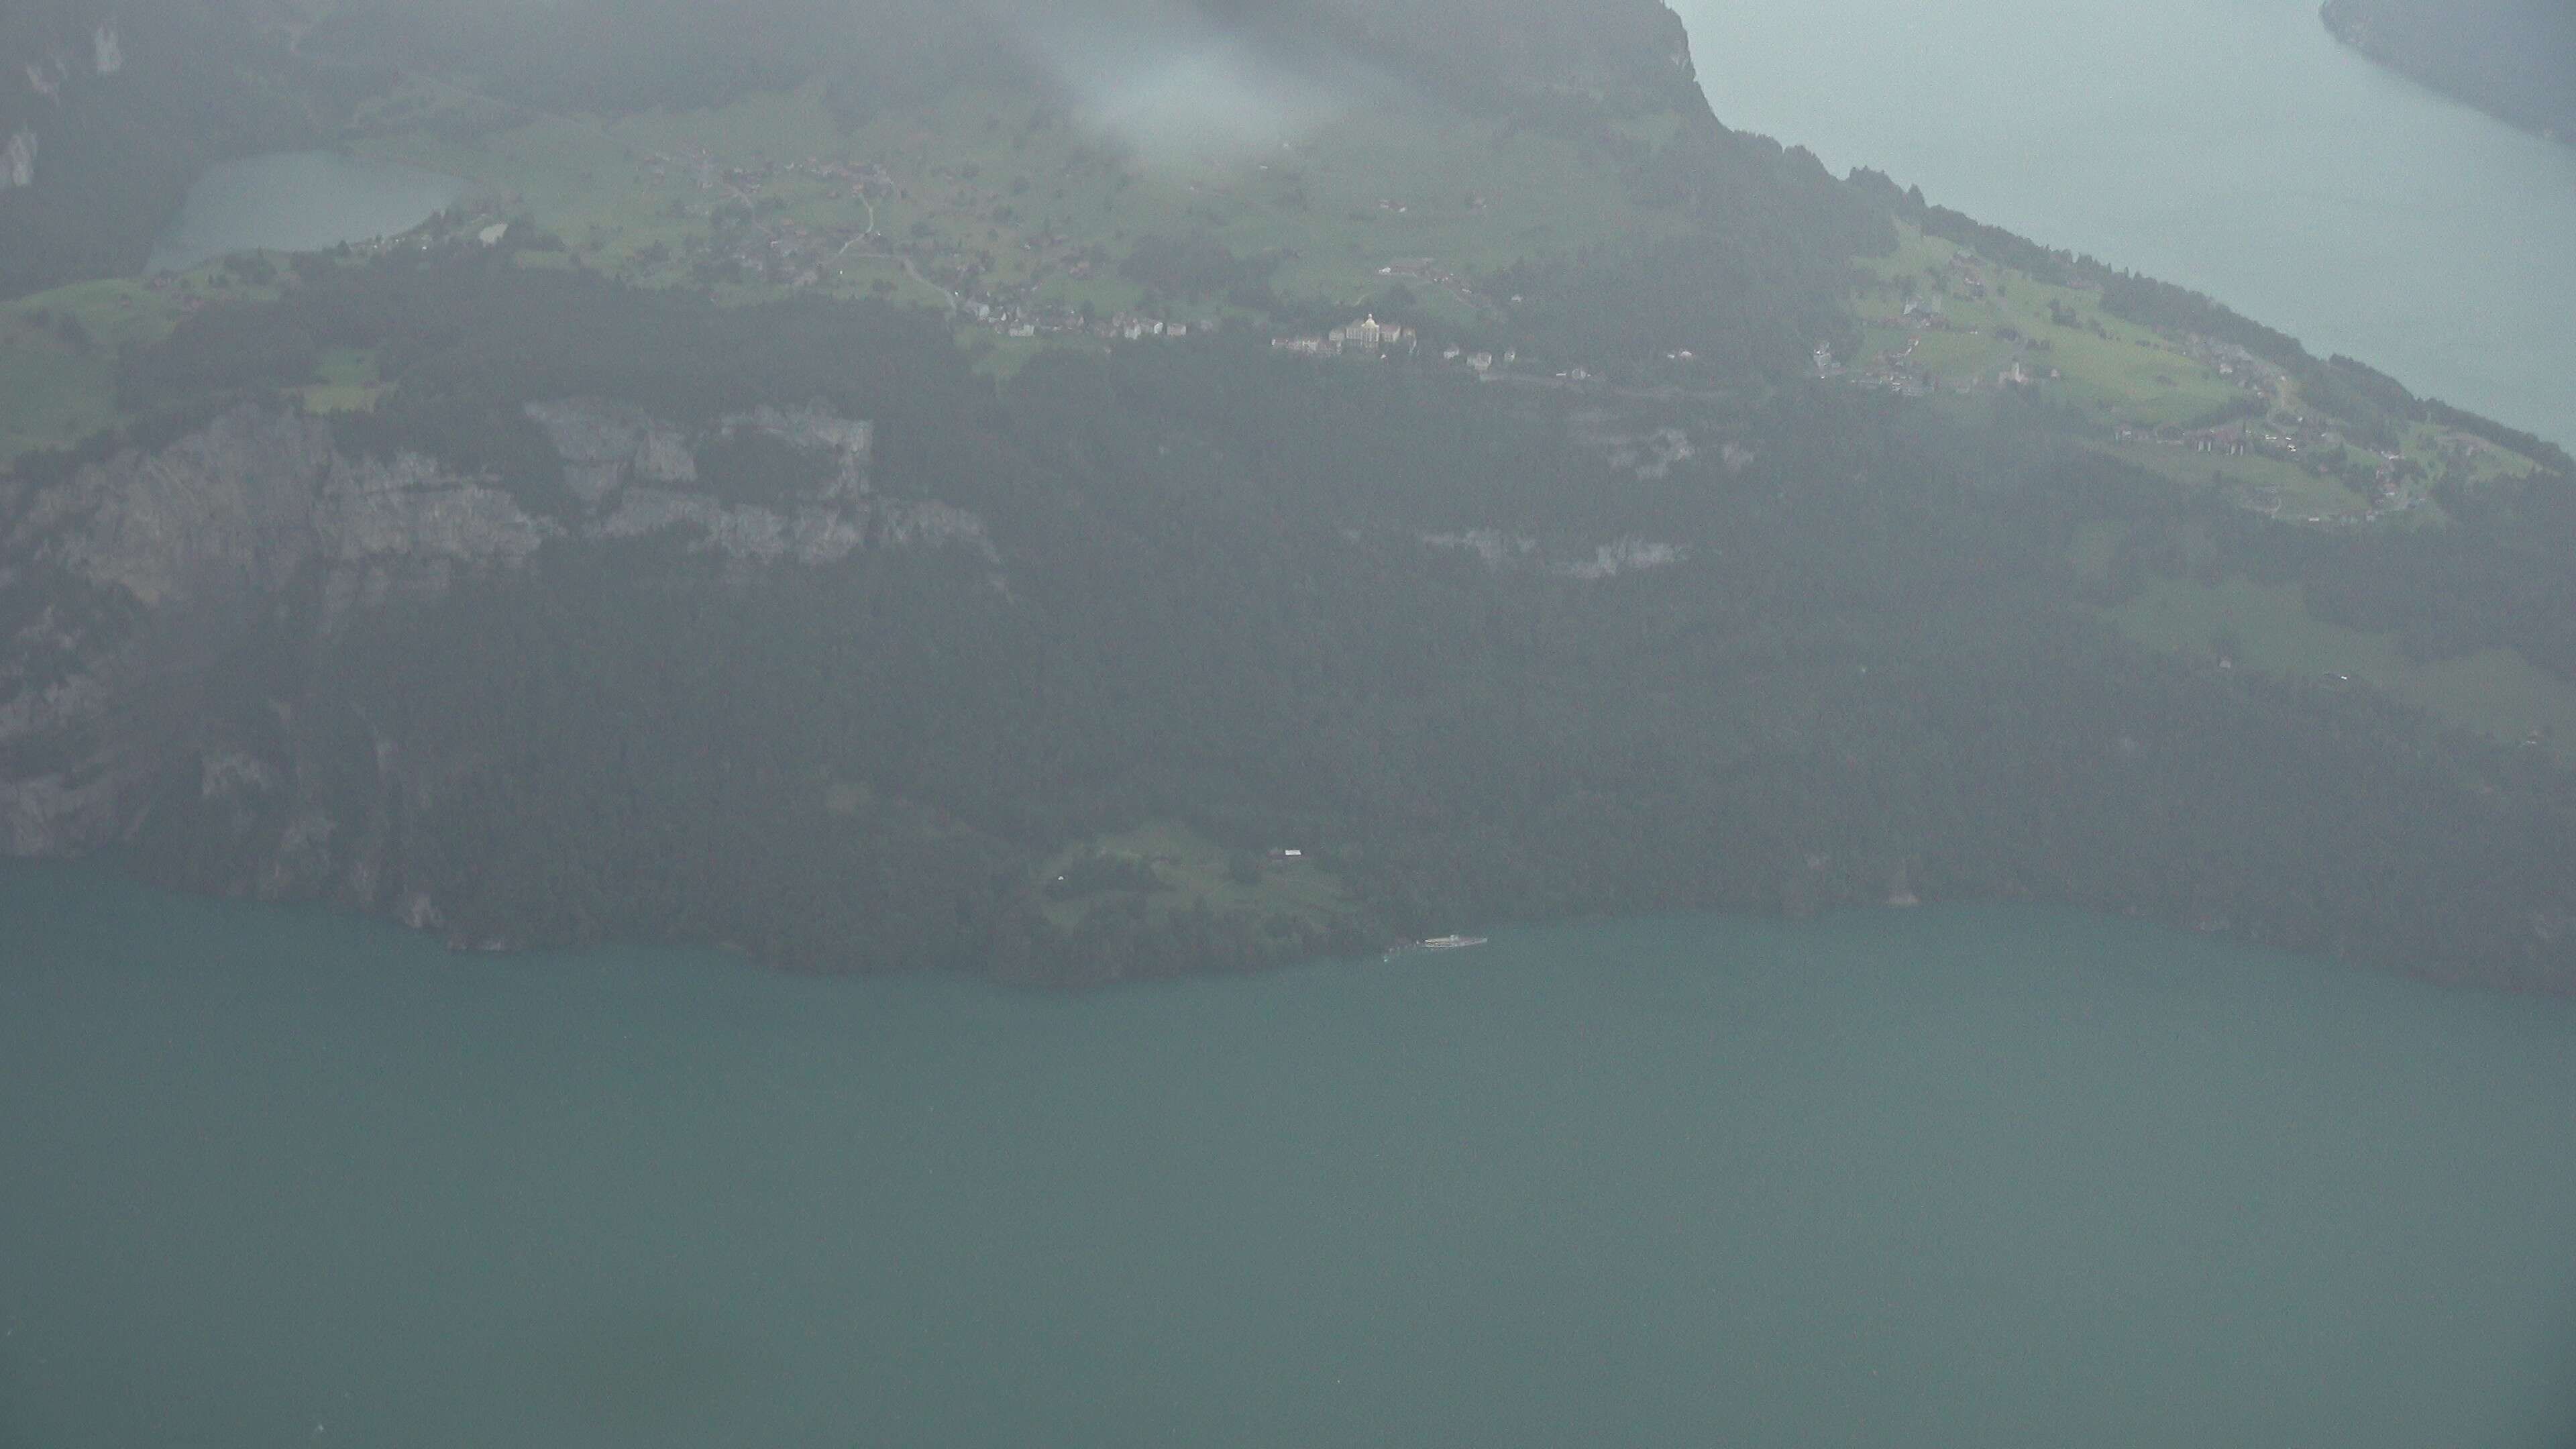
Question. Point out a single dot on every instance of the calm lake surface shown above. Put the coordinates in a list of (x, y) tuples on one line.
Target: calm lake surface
[(298, 201), (2230, 145), (2000, 1177)]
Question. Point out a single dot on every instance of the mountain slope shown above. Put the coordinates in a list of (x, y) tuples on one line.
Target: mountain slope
[(2515, 58), (990, 524), (611, 622)]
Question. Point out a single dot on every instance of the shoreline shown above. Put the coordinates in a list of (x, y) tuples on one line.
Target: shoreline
[(104, 873), (2359, 38)]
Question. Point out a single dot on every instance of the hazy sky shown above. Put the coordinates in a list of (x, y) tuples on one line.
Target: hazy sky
[(1175, 89)]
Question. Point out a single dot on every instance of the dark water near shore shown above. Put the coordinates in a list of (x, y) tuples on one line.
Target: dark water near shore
[(1981, 1176), (298, 201), (2230, 145)]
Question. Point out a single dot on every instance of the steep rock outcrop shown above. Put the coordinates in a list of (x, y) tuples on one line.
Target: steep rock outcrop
[(129, 586), (154, 607), (18, 160)]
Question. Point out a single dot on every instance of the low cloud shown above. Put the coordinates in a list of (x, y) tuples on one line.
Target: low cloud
[(1176, 89)]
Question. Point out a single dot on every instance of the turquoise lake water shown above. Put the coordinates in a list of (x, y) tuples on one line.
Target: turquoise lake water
[(2002, 1177), (298, 201), (2230, 145)]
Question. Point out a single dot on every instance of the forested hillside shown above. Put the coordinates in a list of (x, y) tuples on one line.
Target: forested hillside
[(923, 493), (1448, 639), (2516, 58)]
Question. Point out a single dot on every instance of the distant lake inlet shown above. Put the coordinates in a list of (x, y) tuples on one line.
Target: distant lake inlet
[(298, 201), (2231, 146)]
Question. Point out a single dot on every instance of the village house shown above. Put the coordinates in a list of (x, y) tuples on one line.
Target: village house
[(1367, 337)]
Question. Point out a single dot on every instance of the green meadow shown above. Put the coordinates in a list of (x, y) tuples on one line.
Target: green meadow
[(2272, 485), (2120, 375), (2119, 372), (58, 376), (1194, 872), (2495, 692)]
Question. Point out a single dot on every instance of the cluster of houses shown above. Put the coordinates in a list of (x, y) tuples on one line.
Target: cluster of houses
[(1023, 320), (2297, 440), (1896, 372), (779, 249), (1367, 337), (2394, 484), (860, 181), (2258, 378), (2234, 440), (770, 244)]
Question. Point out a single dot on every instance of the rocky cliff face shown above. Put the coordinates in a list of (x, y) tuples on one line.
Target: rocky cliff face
[(146, 601), (637, 476)]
